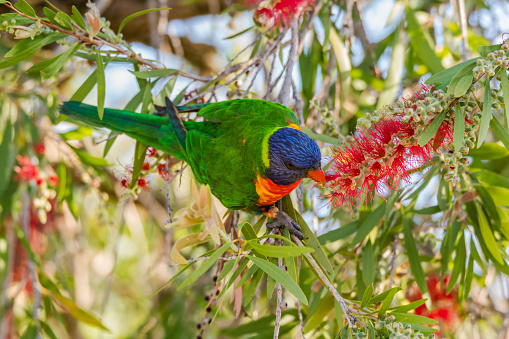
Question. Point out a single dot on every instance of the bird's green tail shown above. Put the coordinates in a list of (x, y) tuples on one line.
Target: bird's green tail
[(152, 130)]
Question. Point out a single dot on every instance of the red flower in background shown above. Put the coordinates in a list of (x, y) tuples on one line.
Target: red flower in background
[(26, 171), (39, 148), (444, 307), (278, 12)]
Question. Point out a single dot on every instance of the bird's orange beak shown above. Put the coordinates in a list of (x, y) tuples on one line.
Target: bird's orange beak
[(318, 176)]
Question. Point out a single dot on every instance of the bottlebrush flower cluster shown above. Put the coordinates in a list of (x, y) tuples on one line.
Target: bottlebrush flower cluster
[(278, 12), (125, 176), (384, 150)]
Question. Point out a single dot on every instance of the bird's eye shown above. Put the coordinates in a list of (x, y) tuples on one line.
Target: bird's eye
[(289, 164)]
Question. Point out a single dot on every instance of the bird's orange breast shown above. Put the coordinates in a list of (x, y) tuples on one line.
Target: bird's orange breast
[(270, 192)]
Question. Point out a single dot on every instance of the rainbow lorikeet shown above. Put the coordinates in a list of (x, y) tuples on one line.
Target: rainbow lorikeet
[(250, 152)]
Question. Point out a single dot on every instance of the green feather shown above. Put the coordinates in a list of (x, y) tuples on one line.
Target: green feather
[(224, 151)]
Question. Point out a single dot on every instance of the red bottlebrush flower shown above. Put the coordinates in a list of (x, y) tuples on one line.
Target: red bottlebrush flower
[(125, 177), (53, 179), (146, 166), (163, 171), (39, 148), (151, 152), (143, 184), (278, 12), (444, 307), (26, 171), (384, 151)]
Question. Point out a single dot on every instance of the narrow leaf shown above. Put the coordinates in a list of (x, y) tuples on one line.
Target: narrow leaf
[(205, 265), (459, 128), (413, 255), (368, 293), (155, 73), (388, 301), (500, 132), (486, 114), (78, 18), (487, 235), (137, 14), (101, 85), (339, 233), (281, 277), (25, 8), (413, 318), (280, 251), (431, 129), (504, 83), (367, 226)]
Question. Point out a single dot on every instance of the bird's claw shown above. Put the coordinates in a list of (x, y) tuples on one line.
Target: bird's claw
[(284, 220)]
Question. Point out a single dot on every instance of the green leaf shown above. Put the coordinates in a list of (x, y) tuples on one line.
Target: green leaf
[(428, 210), (139, 158), (63, 20), (486, 114), (388, 301), (239, 33), (463, 85), (368, 262), (227, 268), (25, 8), (312, 241), (487, 235), (78, 313), (413, 318), (240, 268), (381, 297), (205, 265), (409, 307), (367, 226), (281, 277), (249, 273), (279, 251), (446, 76), (173, 278), (78, 18), (27, 47), (88, 159), (419, 41), (413, 254), (78, 133), (8, 156), (468, 278), (494, 179), (86, 86), (485, 50), (251, 287), (475, 254), (459, 77), (137, 14), (459, 263), (49, 14), (339, 233), (368, 293), (489, 151), (101, 85), (459, 128), (59, 62), (155, 73), (431, 129), (443, 194), (504, 83), (501, 133)]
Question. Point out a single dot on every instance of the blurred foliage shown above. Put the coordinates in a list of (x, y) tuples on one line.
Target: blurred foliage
[(85, 254)]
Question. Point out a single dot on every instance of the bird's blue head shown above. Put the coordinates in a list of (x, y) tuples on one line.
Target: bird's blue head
[(293, 156)]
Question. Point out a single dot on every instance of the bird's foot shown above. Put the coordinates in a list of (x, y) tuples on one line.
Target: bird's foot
[(283, 220)]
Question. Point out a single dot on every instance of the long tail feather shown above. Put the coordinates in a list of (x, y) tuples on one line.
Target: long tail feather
[(152, 130)]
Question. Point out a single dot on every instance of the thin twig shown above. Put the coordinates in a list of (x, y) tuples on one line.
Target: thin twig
[(287, 84), (307, 26), (168, 202), (463, 26), (262, 61), (346, 310), (273, 64), (299, 310), (298, 103)]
